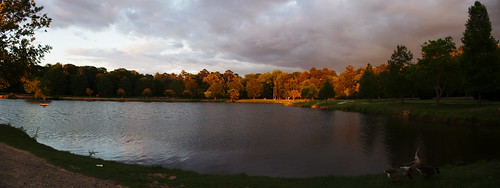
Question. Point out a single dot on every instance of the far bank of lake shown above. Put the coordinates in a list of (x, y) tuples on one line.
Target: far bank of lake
[(455, 111)]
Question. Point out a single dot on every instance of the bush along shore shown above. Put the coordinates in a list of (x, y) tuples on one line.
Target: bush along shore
[(480, 174)]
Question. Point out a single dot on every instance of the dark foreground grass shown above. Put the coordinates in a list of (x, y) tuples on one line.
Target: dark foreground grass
[(454, 111), (480, 174)]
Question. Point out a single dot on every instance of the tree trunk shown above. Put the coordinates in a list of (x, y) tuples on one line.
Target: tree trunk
[(439, 91), (439, 94)]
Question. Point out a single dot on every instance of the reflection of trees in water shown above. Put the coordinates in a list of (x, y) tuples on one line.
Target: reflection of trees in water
[(401, 141), (441, 144), (371, 130), (324, 133)]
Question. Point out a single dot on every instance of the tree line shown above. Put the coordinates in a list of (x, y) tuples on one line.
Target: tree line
[(443, 70)]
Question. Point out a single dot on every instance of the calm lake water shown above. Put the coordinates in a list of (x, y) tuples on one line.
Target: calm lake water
[(256, 139)]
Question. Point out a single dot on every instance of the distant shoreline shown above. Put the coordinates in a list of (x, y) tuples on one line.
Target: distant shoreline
[(151, 99), (454, 111), (132, 99)]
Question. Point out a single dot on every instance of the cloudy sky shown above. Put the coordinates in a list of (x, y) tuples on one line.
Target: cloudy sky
[(247, 36)]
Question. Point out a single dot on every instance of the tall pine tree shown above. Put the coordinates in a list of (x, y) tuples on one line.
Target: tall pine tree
[(369, 86), (479, 59), (326, 91), (396, 80)]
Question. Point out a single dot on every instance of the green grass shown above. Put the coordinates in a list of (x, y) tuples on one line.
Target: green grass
[(480, 174), (454, 111)]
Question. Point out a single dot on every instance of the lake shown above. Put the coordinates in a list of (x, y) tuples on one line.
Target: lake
[(256, 139)]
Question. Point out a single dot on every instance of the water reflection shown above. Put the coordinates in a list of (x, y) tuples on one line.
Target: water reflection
[(257, 139), (441, 144)]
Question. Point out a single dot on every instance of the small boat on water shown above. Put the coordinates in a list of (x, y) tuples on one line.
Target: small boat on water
[(44, 104)]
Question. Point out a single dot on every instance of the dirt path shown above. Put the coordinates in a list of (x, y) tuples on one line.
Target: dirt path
[(19, 168)]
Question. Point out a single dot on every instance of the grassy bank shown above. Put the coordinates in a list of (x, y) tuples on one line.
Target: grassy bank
[(454, 111), (481, 174)]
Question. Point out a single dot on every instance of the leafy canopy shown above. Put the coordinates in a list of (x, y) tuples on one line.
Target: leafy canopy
[(19, 20), (369, 86), (326, 91), (480, 63)]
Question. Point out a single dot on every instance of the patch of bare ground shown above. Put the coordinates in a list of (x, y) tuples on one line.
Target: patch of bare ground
[(20, 168)]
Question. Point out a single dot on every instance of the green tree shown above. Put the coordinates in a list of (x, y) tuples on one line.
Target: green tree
[(396, 81), (90, 73), (143, 83), (178, 86), (479, 62), (78, 84), (126, 84), (104, 85), (437, 65), (267, 84), (57, 79), (160, 84), (326, 91), (309, 90), (19, 20), (369, 86)]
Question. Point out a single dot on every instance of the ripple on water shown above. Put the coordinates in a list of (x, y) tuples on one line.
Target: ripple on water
[(257, 139)]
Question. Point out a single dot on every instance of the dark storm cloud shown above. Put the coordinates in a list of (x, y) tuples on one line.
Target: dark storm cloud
[(279, 33)]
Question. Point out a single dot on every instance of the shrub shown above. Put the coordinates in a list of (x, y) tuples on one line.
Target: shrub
[(10, 96)]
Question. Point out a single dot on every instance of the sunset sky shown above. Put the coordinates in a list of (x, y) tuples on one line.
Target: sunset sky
[(251, 36)]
